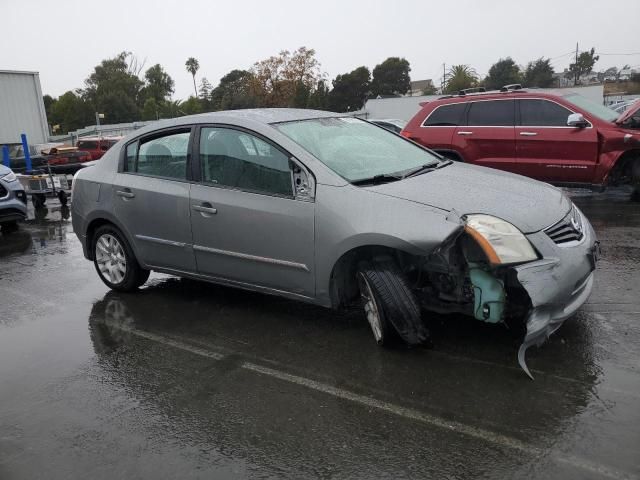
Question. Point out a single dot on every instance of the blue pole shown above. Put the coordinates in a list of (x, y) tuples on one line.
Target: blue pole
[(27, 155), (5, 156)]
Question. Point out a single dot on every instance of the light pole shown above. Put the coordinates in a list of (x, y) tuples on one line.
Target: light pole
[(98, 117)]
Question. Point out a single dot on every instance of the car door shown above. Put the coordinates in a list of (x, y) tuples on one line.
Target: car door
[(151, 198), (249, 224), (488, 137), (548, 149)]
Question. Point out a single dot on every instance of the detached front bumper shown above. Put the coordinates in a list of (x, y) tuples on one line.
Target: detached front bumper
[(558, 284)]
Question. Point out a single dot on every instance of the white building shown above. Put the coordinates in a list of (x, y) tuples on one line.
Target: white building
[(22, 108)]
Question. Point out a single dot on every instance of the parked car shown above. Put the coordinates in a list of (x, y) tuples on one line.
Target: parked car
[(391, 124), (13, 200), (96, 146), (332, 210), (623, 106), (65, 159), (17, 159), (563, 139)]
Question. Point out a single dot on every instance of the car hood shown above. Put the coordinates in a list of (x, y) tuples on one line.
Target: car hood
[(628, 113), (528, 204)]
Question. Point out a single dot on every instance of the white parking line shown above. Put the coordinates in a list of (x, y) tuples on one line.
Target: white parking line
[(408, 413)]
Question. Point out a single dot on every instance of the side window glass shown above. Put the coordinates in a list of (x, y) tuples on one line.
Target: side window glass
[(236, 159), (132, 150), (446, 116), (164, 156), (542, 113), (498, 113)]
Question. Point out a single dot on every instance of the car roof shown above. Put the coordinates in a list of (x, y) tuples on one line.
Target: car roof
[(521, 93), (265, 115)]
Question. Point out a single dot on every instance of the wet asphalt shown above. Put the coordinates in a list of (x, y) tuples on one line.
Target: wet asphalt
[(192, 380)]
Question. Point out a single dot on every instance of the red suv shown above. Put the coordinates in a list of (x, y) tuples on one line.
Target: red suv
[(97, 146), (562, 139)]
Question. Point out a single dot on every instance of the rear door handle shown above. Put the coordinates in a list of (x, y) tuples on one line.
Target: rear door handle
[(465, 133), (528, 134), (205, 209), (125, 193)]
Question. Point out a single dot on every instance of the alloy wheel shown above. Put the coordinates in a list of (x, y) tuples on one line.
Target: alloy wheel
[(111, 259)]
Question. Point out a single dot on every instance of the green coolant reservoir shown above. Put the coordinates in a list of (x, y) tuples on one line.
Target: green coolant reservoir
[(488, 293)]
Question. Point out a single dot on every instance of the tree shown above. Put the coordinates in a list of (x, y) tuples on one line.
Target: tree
[(71, 112), (350, 90), (191, 106), (539, 73), (460, 77), (391, 77), (159, 85), (114, 90), (584, 64), (205, 89), (151, 109), (319, 98), (49, 101), (234, 91), (283, 80), (503, 72), (193, 66)]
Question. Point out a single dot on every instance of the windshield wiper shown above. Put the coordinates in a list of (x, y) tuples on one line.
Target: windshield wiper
[(428, 167), (377, 179)]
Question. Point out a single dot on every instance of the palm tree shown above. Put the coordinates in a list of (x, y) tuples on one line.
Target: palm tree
[(460, 77), (192, 67)]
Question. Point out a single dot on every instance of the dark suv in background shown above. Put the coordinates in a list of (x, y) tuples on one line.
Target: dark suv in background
[(564, 139)]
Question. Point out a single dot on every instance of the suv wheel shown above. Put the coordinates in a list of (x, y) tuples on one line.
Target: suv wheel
[(389, 304), (115, 262)]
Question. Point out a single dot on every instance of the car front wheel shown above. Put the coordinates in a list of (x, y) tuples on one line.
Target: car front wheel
[(115, 262), (389, 303)]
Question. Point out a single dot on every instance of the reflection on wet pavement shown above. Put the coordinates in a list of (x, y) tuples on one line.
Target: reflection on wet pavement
[(188, 379)]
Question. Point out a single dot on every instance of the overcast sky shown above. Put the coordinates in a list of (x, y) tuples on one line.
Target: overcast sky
[(65, 39)]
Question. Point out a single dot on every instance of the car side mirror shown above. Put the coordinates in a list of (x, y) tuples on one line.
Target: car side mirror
[(576, 120)]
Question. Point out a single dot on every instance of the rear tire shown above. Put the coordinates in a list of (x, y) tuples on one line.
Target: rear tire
[(115, 262), (392, 301), (9, 227)]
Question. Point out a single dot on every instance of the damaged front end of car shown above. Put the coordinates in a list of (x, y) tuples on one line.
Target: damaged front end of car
[(491, 271)]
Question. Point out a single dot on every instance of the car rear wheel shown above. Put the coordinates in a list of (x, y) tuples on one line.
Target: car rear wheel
[(115, 262), (9, 227), (389, 304)]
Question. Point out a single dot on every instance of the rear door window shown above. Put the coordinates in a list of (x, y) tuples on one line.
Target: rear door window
[(542, 113), (492, 113), (162, 156), (87, 144), (446, 116)]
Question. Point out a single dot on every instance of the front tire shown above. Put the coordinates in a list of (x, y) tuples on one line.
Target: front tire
[(115, 262), (389, 303)]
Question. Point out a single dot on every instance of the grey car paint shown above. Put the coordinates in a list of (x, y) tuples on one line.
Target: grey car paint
[(11, 207), (293, 246)]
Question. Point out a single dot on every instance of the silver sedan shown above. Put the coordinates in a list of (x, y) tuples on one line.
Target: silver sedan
[(333, 210)]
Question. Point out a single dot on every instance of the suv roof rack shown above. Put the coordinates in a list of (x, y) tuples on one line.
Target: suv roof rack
[(511, 87)]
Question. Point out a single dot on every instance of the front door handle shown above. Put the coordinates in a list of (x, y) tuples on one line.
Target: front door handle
[(206, 209), (126, 193), (528, 134), (463, 132)]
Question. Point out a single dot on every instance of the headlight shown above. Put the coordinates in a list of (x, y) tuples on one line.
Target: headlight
[(501, 242), (9, 177)]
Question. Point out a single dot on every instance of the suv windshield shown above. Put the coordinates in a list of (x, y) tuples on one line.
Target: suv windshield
[(595, 109), (355, 149)]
